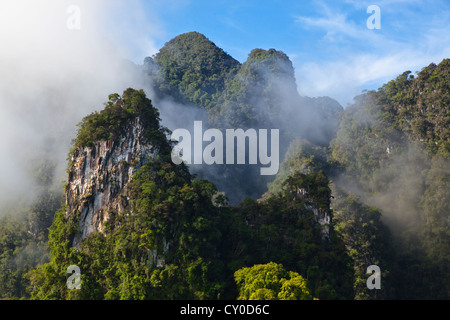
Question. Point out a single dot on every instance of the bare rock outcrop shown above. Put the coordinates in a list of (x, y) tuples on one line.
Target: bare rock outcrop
[(99, 175)]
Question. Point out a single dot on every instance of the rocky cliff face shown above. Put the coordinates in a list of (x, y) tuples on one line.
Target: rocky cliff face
[(322, 215), (99, 175)]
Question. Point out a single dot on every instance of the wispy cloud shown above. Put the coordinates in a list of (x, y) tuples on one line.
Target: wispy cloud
[(345, 78), (53, 76), (363, 58), (335, 24)]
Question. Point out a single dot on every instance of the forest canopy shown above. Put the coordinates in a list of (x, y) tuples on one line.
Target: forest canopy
[(363, 185)]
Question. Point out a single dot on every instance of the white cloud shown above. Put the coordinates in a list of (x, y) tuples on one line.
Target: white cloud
[(333, 23), (343, 79), (53, 76), (365, 59)]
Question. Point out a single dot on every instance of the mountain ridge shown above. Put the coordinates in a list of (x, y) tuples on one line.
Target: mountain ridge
[(169, 234)]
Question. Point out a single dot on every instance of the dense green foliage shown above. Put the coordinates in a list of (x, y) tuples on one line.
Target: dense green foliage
[(259, 93), (368, 240), (282, 228), (270, 282), (162, 247), (392, 147), (24, 230), (255, 96), (419, 106), (115, 118), (191, 69), (379, 167), (304, 157), (180, 240), (163, 250), (378, 158)]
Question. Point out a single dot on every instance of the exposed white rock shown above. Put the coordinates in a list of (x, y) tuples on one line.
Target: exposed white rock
[(98, 178), (322, 215)]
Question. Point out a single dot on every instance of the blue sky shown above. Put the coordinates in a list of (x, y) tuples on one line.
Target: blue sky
[(333, 51)]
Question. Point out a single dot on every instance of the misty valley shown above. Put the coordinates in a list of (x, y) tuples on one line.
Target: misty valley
[(206, 178)]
